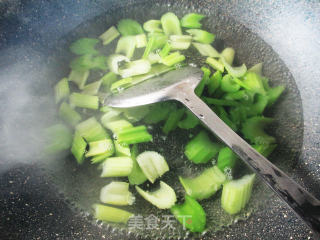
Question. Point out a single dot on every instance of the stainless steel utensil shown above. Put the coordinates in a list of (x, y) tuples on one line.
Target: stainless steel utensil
[(179, 85)]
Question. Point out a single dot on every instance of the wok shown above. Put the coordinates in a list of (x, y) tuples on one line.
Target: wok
[(48, 198)]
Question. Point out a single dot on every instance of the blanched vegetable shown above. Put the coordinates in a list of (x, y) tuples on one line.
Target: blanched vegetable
[(111, 214), (117, 167), (117, 193), (192, 20), (109, 35)]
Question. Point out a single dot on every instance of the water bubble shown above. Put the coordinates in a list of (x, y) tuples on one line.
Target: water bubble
[(192, 65), (178, 66)]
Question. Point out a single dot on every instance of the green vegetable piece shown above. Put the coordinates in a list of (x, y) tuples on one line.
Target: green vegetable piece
[(228, 84), (165, 50), (225, 117), (204, 185), (205, 79), (78, 148), (226, 159), (120, 85), (79, 77), (136, 114), (171, 24), (114, 60), (265, 149), (141, 40), (206, 50), (101, 157), (173, 59), (111, 214), (117, 167), (238, 115), (200, 149), (68, 114), (158, 112), (129, 27), (100, 147), (91, 130), (253, 130), (256, 69), (160, 40), (228, 55), (107, 80), (221, 102), (190, 121), (122, 149), (116, 126), (190, 214), (92, 88), (100, 63), (58, 138), (192, 20), (201, 36), (86, 62), (108, 36), (273, 94), (234, 71), (254, 83), (152, 164), (153, 26), (134, 135), (84, 101), (136, 176), (180, 42), (61, 90), (126, 46), (149, 47), (154, 58), (258, 107), (214, 82), (173, 120), (117, 193), (236, 194), (134, 68), (215, 64), (84, 46), (239, 95), (163, 198)]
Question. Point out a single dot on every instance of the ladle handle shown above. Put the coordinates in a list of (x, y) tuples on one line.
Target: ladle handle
[(306, 206)]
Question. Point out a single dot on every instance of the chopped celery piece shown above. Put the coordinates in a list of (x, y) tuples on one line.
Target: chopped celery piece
[(91, 130), (135, 114), (149, 46), (215, 64), (156, 70), (225, 117), (117, 167), (206, 50), (61, 90), (204, 185), (228, 84), (100, 62), (236, 194), (221, 102), (84, 101), (122, 149), (153, 26), (111, 214), (173, 59), (258, 107), (165, 50), (154, 58), (68, 114), (120, 85), (226, 159), (160, 40), (58, 138), (107, 80), (100, 147), (136, 176), (171, 24), (117, 125), (177, 45), (141, 40), (78, 147), (114, 60), (190, 214), (254, 83), (84, 46), (228, 55), (126, 46), (253, 130), (180, 38), (117, 193), (239, 95), (205, 79), (102, 157), (234, 71), (214, 82), (201, 35), (92, 88), (129, 27), (273, 94), (134, 68), (173, 120), (158, 112), (192, 20), (189, 122), (256, 69), (163, 198), (152, 164), (133, 135), (110, 115), (79, 77), (200, 149), (265, 149), (86, 62), (108, 36)]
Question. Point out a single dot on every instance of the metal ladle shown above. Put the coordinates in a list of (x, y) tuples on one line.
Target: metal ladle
[(179, 85)]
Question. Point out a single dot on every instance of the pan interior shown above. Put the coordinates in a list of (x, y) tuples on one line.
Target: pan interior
[(80, 185)]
